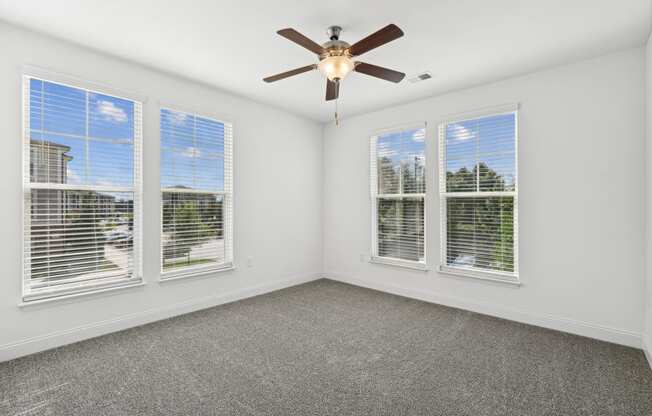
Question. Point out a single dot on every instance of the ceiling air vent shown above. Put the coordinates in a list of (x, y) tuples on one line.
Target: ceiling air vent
[(421, 77)]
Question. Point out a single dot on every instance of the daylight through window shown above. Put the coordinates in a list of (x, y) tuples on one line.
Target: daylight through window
[(398, 196), (81, 189), (478, 195), (196, 192)]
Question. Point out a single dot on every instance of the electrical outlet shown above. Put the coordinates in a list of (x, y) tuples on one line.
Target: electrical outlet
[(363, 257), (250, 261)]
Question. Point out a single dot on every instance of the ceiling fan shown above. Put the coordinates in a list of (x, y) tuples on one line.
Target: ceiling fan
[(335, 57)]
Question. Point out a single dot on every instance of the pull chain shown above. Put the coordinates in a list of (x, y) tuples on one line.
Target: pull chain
[(337, 118)]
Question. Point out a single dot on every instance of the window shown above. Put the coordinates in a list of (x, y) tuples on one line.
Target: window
[(479, 197), (196, 193), (398, 190), (81, 190)]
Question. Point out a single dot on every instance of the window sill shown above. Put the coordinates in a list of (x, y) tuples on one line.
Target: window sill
[(197, 272), (75, 295), (406, 264), (509, 279)]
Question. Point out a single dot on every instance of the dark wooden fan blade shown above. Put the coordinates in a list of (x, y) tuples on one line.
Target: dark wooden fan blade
[(383, 36), (332, 89), (379, 72), (299, 39), (290, 73)]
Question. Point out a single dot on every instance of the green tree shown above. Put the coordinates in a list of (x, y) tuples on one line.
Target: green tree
[(190, 220), (400, 220), (485, 222)]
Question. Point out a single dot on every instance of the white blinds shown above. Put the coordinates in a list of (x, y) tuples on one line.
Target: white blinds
[(398, 194), (197, 193), (81, 189), (478, 193)]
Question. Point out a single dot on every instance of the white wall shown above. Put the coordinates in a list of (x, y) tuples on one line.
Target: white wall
[(581, 166), (647, 334), (581, 260), (278, 179)]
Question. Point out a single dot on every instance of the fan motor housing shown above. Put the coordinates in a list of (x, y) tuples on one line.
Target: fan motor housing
[(335, 48)]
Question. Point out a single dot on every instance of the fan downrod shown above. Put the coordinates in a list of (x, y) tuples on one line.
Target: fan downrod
[(333, 32)]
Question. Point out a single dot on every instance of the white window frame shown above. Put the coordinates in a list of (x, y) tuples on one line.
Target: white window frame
[(505, 277), (227, 193), (375, 196), (78, 287)]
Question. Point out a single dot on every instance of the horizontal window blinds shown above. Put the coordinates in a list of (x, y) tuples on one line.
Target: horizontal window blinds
[(478, 193), (197, 196), (81, 189), (398, 194)]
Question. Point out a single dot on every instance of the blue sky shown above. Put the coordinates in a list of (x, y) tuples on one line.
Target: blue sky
[(402, 145), (99, 129), (192, 151), (490, 140), (405, 147), (100, 138)]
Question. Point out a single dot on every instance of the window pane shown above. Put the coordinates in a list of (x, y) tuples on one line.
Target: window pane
[(400, 228), (80, 234), (193, 229), (413, 161), (58, 160), (389, 163), (481, 154), (480, 233), (497, 152), (192, 152), (461, 175), (110, 118), (79, 137), (400, 161), (60, 109), (461, 156)]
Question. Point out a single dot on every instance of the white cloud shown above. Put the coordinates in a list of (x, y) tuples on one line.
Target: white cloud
[(111, 112), (177, 118), (460, 133), (419, 135), (72, 177), (191, 152), (385, 149), (106, 183)]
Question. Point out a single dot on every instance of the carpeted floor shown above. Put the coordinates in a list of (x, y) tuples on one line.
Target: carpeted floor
[(330, 348)]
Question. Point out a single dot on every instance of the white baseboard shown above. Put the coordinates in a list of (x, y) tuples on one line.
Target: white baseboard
[(603, 333), (80, 333), (647, 344)]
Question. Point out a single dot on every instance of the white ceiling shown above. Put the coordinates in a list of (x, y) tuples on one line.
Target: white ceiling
[(233, 44)]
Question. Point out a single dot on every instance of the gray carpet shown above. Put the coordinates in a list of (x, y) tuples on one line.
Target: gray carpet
[(330, 348)]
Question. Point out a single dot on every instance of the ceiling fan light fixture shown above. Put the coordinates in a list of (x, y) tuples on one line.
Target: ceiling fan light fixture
[(336, 67)]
